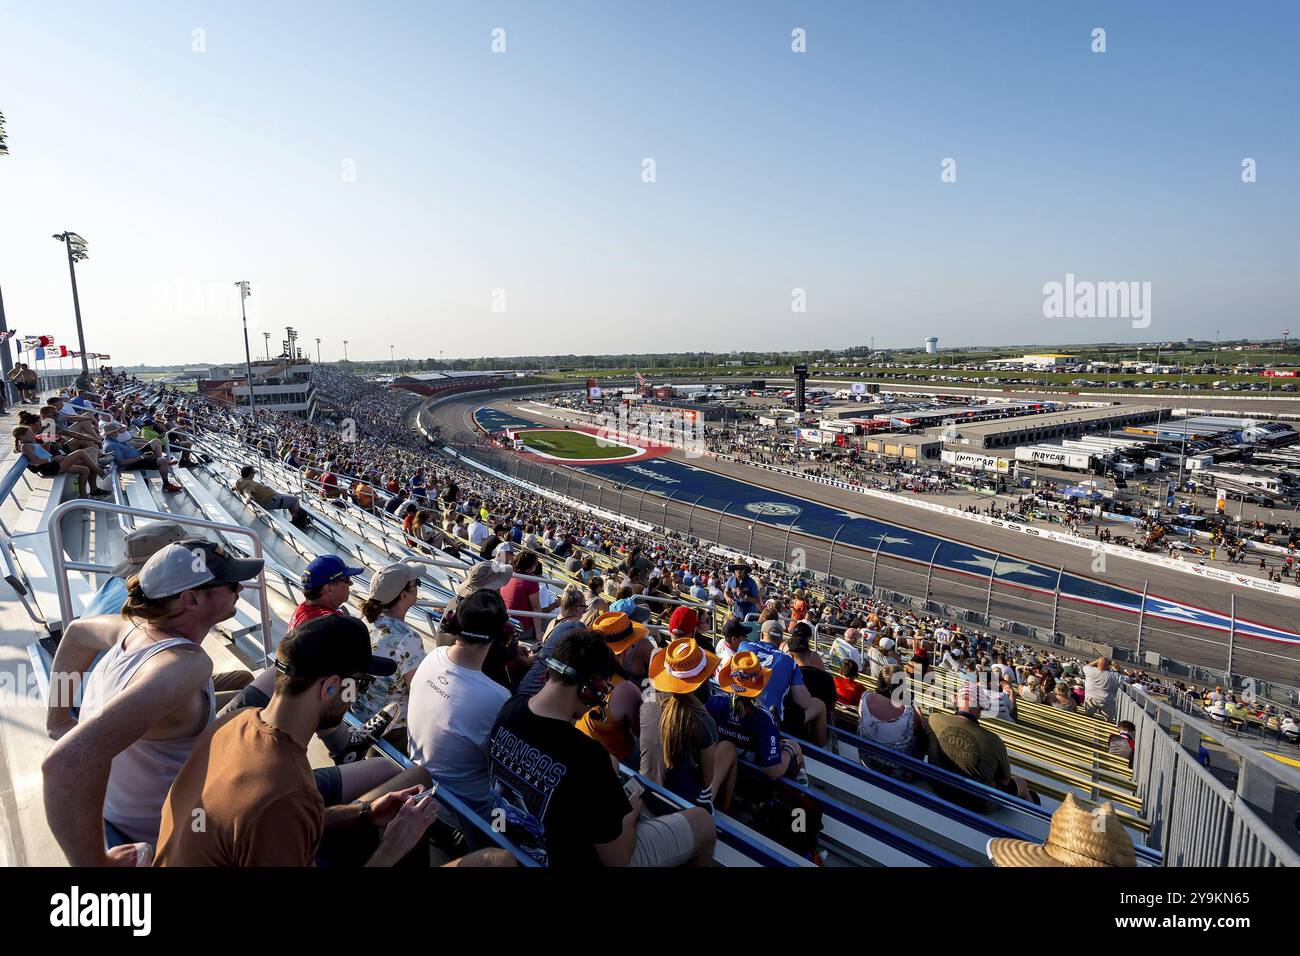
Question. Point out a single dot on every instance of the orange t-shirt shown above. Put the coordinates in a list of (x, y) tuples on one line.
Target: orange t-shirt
[(798, 610), (245, 797)]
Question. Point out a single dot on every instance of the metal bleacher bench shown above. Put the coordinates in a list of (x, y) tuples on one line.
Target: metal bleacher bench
[(31, 544)]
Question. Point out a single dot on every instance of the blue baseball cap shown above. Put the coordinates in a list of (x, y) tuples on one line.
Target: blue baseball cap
[(637, 612), (327, 569)]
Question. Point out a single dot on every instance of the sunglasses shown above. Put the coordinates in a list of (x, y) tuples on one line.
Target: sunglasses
[(363, 682), (233, 586)]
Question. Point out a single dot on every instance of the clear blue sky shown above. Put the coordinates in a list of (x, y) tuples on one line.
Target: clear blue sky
[(521, 171)]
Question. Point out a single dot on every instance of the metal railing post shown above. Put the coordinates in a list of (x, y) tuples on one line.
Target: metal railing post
[(83, 504), (691, 516), (875, 564), (1232, 633), (993, 573), (1142, 613), (929, 571), (1056, 600), (830, 558)]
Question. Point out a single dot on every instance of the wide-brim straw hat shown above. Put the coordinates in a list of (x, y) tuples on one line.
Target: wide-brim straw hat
[(743, 675), (1078, 837), (485, 574), (619, 631), (681, 667)]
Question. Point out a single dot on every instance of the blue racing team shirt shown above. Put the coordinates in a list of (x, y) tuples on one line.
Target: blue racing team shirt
[(785, 674), (755, 735)]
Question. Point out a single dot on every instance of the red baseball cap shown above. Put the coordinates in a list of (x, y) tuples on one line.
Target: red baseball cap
[(683, 622)]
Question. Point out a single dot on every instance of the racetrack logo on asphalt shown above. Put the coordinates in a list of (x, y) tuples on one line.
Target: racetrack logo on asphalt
[(773, 509)]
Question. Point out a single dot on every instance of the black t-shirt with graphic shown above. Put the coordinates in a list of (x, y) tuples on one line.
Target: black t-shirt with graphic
[(556, 786)]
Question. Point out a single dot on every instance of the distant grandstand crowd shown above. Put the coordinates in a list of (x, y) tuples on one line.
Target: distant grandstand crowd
[(661, 655)]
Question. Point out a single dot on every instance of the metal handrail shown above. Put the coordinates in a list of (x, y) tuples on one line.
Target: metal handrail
[(80, 504)]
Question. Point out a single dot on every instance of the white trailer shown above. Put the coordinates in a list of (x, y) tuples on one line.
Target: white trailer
[(1057, 456)]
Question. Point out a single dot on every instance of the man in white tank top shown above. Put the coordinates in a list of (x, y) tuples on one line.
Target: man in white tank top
[(144, 704)]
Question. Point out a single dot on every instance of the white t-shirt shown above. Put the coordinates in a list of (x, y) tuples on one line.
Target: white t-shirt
[(449, 716), (724, 652), (477, 533)]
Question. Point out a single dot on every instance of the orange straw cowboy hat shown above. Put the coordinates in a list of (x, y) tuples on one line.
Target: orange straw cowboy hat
[(681, 667), (743, 675)]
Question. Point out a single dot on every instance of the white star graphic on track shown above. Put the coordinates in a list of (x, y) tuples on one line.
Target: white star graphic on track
[(886, 539), (1004, 566), (1176, 610)]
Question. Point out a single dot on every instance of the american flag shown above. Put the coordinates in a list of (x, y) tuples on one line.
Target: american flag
[(640, 379)]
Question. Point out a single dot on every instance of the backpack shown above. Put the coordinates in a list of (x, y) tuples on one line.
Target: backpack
[(791, 818)]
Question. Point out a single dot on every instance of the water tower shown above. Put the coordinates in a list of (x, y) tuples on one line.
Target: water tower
[(932, 345)]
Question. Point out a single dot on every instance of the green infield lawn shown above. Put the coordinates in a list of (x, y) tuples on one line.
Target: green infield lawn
[(573, 444)]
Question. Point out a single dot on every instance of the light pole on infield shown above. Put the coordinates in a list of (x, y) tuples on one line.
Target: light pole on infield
[(266, 343), (76, 247), (318, 351), (345, 350), (248, 358)]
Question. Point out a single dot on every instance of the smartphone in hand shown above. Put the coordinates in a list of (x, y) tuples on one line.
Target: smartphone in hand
[(425, 793)]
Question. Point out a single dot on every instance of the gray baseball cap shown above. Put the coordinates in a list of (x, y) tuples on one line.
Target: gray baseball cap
[(192, 563)]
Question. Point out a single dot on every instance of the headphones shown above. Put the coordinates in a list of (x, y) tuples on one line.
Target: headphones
[(588, 692)]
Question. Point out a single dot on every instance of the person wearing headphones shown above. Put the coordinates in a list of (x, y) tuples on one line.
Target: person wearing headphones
[(558, 789)]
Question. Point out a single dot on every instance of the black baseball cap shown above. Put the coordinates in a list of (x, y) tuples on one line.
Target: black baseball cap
[(330, 645), (735, 627)]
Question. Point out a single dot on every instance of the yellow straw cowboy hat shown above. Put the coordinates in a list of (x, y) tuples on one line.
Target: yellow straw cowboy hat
[(681, 667), (1078, 837)]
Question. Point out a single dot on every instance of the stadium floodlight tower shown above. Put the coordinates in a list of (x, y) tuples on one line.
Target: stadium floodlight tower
[(76, 247), (6, 362), (244, 293)]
